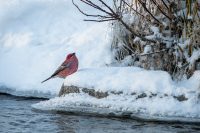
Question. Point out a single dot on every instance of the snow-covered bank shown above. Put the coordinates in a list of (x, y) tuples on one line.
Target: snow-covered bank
[(36, 36), (160, 100)]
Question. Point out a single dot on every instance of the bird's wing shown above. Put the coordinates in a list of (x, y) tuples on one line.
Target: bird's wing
[(61, 68)]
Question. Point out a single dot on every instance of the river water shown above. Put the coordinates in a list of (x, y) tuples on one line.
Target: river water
[(17, 116)]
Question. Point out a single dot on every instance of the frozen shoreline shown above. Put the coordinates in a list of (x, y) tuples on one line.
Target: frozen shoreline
[(142, 93), (134, 93)]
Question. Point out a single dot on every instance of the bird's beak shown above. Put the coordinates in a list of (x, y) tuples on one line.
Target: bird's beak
[(73, 54)]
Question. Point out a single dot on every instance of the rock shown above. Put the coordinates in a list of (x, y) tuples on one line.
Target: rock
[(68, 89), (181, 98), (141, 96), (99, 94), (94, 93), (73, 89)]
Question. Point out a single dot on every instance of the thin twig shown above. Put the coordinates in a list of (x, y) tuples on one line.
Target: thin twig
[(99, 8), (154, 52), (165, 4), (144, 6), (113, 16), (89, 15), (103, 20), (158, 6)]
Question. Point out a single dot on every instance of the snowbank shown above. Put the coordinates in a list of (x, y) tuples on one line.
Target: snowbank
[(132, 92), (36, 36)]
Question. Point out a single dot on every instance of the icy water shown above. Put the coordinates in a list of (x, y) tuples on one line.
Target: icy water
[(16, 116)]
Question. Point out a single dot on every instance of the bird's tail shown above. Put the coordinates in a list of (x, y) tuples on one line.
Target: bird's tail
[(46, 79)]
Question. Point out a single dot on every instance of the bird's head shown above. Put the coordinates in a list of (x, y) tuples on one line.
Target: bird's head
[(71, 55)]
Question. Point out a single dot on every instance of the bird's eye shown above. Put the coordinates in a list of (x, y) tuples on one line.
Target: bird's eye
[(70, 56)]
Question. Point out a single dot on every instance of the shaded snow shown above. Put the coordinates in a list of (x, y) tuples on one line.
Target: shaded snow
[(155, 108)]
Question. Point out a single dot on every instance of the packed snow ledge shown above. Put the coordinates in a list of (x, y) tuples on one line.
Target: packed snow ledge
[(128, 92)]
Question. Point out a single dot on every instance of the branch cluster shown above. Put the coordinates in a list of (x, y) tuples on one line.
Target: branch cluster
[(163, 35)]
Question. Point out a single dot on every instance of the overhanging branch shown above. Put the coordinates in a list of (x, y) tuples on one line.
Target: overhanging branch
[(110, 15)]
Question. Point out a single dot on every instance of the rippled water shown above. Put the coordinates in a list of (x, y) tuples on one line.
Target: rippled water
[(16, 116)]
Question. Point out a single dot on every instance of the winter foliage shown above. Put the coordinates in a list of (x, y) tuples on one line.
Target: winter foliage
[(153, 34), (172, 28)]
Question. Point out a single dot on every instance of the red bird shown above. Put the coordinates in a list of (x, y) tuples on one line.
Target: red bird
[(68, 67)]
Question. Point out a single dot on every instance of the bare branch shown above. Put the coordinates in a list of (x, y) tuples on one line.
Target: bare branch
[(144, 6), (99, 8), (112, 15), (89, 15), (158, 6), (116, 15), (103, 20), (136, 11), (156, 52), (165, 4)]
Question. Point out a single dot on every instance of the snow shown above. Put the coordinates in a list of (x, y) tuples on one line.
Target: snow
[(36, 36), (185, 44), (195, 53), (126, 79), (129, 80), (156, 33), (166, 109), (147, 49), (195, 56)]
